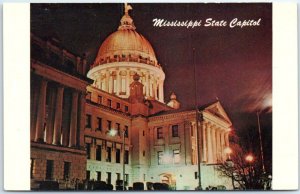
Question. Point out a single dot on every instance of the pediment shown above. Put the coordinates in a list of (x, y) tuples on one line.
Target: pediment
[(217, 110)]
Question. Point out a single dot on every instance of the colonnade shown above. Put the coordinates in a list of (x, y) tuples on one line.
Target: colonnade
[(117, 81), (214, 141), (48, 122)]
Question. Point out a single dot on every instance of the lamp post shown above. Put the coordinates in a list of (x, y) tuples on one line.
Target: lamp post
[(260, 142), (113, 132), (197, 123), (249, 158), (230, 164)]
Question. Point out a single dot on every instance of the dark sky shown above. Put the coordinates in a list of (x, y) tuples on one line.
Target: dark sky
[(233, 64)]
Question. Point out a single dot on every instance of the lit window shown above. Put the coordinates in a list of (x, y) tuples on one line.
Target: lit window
[(176, 156), (159, 133), (160, 155), (175, 131)]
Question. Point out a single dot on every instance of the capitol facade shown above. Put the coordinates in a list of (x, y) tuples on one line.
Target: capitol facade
[(109, 119)]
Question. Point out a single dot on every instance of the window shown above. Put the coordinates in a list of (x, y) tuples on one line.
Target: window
[(88, 122), (118, 155), (126, 131), (118, 127), (126, 108), (160, 155), (174, 130), (143, 133), (118, 176), (123, 85), (144, 153), (176, 156), (108, 125), (108, 154), (89, 96), (144, 177), (192, 130), (98, 153), (159, 133), (118, 105), (88, 150), (49, 169), (99, 99), (88, 175), (32, 166), (108, 180), (126, 157), (67, 168), (109, 102), (196, 175), (126, 179), (99, 120), (98, 176)]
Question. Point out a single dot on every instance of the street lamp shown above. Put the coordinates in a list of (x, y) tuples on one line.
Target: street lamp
[(249, 158), (114, 132), (228, 151)]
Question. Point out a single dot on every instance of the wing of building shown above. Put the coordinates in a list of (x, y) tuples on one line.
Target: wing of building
[(78, 121)]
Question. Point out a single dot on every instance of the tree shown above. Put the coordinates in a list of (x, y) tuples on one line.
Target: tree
[(244, 169)]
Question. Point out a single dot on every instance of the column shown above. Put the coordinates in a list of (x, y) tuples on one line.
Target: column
[(82, 119), (222, 145), (204, 153), (155, 89), (209, 144), (39, 135), (50, 119), (33, 110), (73, 122), (161, 91), (128, 81), (218, 141), (111, 84), (119, 83), (227, 138), (214, 145), (58, 115), (107, 81), (147, 84)]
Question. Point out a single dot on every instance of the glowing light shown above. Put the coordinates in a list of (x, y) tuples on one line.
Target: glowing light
[(249, 158), (112, 132), (227, 150)]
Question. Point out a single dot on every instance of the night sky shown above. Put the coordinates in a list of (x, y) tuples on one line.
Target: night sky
[(233, 64)]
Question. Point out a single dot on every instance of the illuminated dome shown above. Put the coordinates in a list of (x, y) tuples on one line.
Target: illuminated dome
[(126, 44), (123, 54)]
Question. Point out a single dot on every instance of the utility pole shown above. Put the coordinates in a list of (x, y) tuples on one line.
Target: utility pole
[(197, 123), (260, 142)]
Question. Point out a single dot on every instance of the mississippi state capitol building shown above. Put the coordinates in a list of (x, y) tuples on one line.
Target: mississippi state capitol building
[(75, 106)]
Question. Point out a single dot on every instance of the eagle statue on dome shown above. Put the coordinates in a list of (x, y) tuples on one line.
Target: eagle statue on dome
[(127, 8)]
